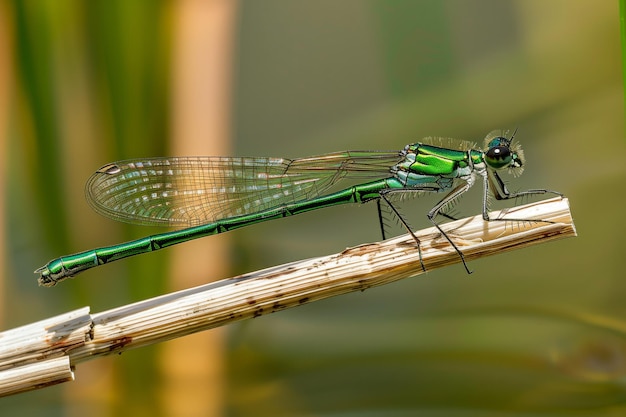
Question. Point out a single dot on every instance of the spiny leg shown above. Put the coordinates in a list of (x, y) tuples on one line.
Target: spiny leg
[(381, 220), (455, 193), (447, 216), (501, 192), (383, 214), (404, 223)]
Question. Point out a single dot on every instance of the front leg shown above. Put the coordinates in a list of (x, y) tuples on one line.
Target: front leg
[(501, 192)]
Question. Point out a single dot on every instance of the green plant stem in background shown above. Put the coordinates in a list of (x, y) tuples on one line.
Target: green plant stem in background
[(622, 24)]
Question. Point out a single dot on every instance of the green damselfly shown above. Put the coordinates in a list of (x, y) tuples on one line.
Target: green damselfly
[(211, 195)]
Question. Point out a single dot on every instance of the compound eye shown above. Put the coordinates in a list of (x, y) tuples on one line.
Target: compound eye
[(498, 157)]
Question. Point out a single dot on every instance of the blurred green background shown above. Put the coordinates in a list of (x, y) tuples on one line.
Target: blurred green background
[(535, 332)]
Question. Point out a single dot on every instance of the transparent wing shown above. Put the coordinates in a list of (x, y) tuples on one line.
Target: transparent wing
[(188, 191)]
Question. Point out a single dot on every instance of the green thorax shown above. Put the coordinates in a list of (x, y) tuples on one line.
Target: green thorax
[(430, 160)]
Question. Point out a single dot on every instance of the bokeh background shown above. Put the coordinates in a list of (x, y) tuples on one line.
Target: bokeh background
[(535, 332)]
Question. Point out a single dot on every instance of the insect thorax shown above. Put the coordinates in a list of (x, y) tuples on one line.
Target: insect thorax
[(430, 166)]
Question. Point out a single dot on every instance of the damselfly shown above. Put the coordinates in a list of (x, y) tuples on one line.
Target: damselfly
[(211, 195)]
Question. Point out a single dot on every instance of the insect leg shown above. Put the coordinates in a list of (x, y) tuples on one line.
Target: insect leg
[(383, 196), (455, 193)]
